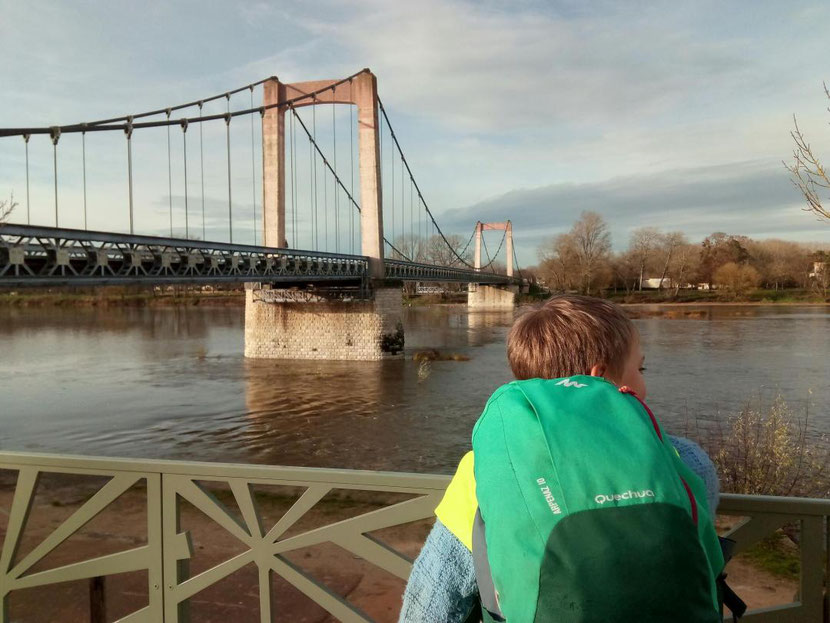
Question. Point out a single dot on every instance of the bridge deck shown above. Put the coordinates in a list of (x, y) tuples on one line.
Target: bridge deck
[(50, 256)]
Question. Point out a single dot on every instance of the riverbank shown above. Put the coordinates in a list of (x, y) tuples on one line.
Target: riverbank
[(189, 296), (119, 296)]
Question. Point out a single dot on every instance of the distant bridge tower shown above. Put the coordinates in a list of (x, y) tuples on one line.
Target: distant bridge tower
[(486, 296)]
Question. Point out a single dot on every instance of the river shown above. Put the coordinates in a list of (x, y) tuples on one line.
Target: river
[(172, 383)]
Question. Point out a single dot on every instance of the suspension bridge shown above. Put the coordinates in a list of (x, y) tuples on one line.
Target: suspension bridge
[(326, 210)]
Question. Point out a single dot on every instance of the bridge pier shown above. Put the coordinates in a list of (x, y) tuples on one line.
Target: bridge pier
[(299, 324), (484, 296)]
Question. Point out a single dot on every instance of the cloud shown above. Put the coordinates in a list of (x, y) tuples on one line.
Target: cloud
[(749, 198)]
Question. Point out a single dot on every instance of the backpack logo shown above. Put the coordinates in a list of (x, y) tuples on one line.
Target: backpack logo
[(570, 383), (627, 495)]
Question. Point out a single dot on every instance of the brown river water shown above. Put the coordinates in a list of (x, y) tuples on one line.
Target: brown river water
[(172, 383)]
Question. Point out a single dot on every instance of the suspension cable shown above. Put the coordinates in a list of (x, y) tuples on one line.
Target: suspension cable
[(314, 140), (83, 160), (253, 167), (106, 126), (296, 179), (202, 168), (313, 145), (169, 176), (291, 175), (334, 157), (184, 152), (28, 202), (495, 255), (351, 161), (56, 135), (418, 189), (230, 200), (129, 134)]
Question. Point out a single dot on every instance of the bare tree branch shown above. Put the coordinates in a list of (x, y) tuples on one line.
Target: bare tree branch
[(6, 209), (808, 174)]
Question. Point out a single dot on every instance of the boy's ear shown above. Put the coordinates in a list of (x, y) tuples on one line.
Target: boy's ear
[(598, 370)]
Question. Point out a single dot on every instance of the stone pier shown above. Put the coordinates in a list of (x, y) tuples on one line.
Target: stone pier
[(297, 324), (491, 297)]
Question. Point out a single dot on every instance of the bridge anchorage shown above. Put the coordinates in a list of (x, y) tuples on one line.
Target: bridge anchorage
[(322, 274)]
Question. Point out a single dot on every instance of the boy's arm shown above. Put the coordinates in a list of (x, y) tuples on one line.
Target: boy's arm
[(442, 586), (699, 462)]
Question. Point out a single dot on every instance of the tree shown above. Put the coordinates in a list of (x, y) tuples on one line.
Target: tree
[(437, 251), (808, 174), (719, 249), (781, 263), (684, 265), (625, 271), (667, 244), (736, 278), (579, 259), (641, 245), (6, 209)]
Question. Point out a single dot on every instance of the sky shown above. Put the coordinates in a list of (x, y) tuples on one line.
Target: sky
[(664, 114)]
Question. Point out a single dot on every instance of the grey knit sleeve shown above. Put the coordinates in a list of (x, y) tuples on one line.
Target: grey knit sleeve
[(442, 585), (699, 462)]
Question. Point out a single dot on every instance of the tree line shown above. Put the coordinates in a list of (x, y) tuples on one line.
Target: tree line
[(582, 260)]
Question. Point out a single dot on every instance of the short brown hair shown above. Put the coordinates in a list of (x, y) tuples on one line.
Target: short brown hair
[(568, 335)]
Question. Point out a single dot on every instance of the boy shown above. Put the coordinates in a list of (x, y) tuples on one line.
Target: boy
[(568, 336)]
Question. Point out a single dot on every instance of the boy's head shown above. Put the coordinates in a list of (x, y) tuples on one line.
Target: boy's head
[(571, 335)]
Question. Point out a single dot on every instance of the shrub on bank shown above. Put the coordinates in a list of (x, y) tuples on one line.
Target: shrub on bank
[(766, 451)]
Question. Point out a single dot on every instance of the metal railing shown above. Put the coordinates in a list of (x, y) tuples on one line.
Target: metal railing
[(396, 269), (164, 556)]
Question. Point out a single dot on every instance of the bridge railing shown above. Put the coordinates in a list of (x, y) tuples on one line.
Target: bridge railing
[(396, 269), (271, 541)]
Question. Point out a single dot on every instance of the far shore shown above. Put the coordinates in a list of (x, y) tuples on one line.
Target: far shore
[(119, 296)]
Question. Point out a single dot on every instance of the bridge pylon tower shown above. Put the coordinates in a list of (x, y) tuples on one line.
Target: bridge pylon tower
[(487, 296), (360, 91)]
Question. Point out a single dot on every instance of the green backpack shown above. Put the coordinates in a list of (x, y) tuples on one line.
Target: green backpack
[(586, 512)]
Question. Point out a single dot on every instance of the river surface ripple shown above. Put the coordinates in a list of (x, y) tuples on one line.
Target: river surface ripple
[(172, 383)]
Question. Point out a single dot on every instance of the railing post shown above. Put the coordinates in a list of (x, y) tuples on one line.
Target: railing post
[(97, 600)]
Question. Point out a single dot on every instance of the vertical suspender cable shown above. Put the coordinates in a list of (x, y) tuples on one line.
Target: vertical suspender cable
[(230, 202), (334, 149), (202, 168), (169, 174), (351, 162), (253, 165), (83, 159), (325, 206), (314, 159), (392, 186), (312, 197), (28, 202), (56, 135), (129, 132), (184, 146), (228, 144), (291, 176), (403, 205), (295, 177)]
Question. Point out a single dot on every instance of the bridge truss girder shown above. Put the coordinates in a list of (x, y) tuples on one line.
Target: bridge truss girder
[(49, 256)]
